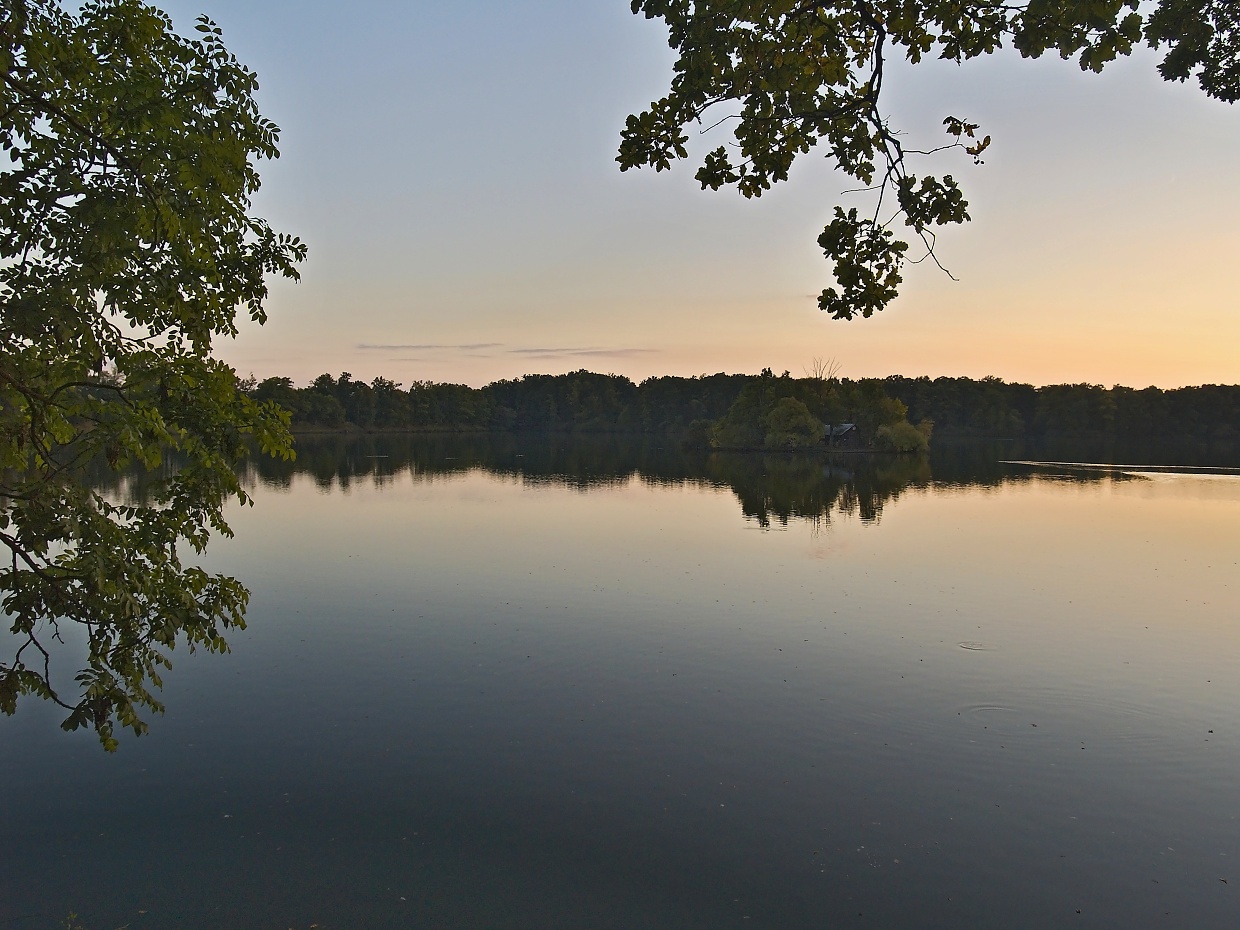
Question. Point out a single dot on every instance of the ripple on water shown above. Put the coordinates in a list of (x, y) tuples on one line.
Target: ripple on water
[(976, 647), (989, 709)]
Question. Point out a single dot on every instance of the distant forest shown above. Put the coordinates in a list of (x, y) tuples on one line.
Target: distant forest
[(691, 407)]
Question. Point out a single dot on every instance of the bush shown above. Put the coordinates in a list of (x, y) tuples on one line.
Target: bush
[(901, 437), (790, 425)]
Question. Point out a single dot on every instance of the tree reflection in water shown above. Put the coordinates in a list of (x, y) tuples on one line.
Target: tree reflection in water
[(772, 488)]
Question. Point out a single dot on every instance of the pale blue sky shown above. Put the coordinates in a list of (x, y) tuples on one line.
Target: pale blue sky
[(451, 166)]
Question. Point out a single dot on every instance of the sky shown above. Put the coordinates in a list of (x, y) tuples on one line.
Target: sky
[(452, 168)]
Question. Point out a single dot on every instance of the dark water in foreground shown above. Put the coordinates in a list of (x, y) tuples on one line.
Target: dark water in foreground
[(563, 684)]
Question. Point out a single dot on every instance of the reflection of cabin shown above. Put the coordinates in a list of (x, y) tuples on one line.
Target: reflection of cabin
[(834, 434)]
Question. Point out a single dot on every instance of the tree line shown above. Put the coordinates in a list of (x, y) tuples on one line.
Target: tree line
[(742, 407), (991, 407), (724, 410)]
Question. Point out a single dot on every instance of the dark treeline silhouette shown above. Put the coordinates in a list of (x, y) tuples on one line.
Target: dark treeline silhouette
[(586, 402), (579, 402), (993, 408), (750, 411)]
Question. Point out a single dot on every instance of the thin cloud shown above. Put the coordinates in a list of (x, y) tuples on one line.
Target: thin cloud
[(628, 353), (479, 350), (425, 347), (580, 352)]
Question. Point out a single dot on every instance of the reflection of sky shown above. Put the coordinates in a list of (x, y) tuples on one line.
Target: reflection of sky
[(1101, 545), (1093, 588), (476, 701), (451, 166)]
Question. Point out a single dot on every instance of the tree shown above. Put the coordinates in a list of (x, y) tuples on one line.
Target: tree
[(126, 249), (903, 437), (794, 73), (790, 425)]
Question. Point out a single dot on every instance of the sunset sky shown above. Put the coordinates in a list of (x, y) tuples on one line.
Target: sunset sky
[(451, 166)]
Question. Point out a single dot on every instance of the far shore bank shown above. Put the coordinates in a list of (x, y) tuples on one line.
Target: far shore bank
[(739, 410)]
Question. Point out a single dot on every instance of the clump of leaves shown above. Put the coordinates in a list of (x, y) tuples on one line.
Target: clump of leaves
[(126, 248), (788, 76)]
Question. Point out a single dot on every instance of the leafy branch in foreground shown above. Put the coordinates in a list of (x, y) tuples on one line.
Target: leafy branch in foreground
[(789, 74), (126, 247)]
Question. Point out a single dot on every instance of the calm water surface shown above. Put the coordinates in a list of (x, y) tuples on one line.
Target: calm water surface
[(557, 684)]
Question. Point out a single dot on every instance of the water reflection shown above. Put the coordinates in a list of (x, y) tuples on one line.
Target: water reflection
[(782, 488), (772, 489), (473, 695)]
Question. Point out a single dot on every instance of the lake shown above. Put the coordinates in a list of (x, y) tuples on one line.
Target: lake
[(572, 683)]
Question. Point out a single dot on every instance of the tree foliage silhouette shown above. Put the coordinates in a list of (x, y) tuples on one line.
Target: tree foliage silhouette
[(789, 75), (126, 248)]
